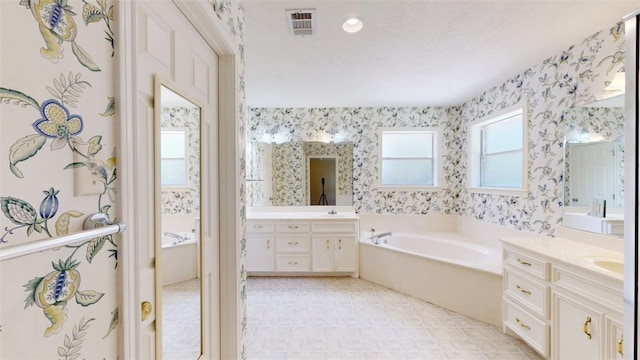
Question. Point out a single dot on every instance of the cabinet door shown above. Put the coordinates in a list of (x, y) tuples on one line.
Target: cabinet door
[(577, 329), (346, 253), (614, 339), (260, 253), (323, 253)]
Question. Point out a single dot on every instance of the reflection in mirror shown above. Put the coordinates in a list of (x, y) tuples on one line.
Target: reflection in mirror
[(279, 174), (322, 181), (594, 166), (178, 258)]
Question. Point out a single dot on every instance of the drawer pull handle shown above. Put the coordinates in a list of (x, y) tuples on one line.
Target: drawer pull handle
[(293, 227), (293, 243), (268, 244), (585, 327), (327, 244), (519, 322), (258, 226), (520, 261), (620, 345), (293, 263), (339, 244), (523, 290)]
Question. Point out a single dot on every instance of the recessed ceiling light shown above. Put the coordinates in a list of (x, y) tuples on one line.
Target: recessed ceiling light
[(352, 25)]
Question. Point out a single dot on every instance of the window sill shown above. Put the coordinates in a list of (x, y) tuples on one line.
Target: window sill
[(408, 188), (498, 191)]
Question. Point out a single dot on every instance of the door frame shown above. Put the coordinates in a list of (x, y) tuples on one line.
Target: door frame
[(201, 15)]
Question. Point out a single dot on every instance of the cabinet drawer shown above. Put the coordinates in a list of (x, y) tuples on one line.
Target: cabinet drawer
[(527, 263), (293, 263), (293, 227), (334, 227), (530, 293), (259, 226), (533, 330), (296, 244)]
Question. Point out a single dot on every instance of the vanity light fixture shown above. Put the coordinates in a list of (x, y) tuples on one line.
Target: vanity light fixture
[(352, 25)]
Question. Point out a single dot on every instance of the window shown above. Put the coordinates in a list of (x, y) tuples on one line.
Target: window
[(173, 157), (498, 152), (409, 157)]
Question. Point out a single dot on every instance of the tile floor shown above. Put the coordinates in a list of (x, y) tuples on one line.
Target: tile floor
[(345, 318), (181, 320)]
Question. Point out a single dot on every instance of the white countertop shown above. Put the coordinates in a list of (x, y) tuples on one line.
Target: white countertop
[(301, 216), (570, 252), (302, 213)]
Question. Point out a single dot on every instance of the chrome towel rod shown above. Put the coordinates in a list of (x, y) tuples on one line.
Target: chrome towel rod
[(48, 244)]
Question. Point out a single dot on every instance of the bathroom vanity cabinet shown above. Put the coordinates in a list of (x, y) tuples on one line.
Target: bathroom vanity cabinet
[(560, 298), (306, 243)]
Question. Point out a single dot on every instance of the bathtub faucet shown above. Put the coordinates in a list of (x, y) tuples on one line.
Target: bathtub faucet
[(376, 238), (177, 237)]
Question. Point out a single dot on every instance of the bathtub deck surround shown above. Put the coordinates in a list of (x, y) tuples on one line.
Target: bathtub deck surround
[(443, 268), (564, 297), (309, 240)]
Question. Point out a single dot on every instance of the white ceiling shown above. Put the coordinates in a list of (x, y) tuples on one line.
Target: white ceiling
[(410, 53)]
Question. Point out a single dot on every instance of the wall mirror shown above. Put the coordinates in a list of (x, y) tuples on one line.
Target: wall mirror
[(282, 175), (594, 166), (178, 122)]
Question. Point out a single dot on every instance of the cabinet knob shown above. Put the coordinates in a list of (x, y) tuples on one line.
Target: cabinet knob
[(293, 263), (523, 290), (525, 263), (293, 227), (585, 327), (339, 244), (293, 243), (328, 244), (268, 244), (258, 226)]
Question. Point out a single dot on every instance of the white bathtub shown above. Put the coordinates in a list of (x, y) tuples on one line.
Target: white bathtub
[(179, 261), (448, 269)]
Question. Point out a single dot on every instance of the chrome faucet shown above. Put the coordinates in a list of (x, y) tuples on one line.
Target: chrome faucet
[(375, 238), (177, 237)]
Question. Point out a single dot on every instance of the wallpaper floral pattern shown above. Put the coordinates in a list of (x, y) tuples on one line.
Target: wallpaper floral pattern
[(184, 201), (575, 77), (57, 136)]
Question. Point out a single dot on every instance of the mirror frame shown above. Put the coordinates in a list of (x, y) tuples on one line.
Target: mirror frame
[(160, 82)]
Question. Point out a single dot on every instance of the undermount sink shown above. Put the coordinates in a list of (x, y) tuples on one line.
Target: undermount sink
[(609, 264), (614, 266)]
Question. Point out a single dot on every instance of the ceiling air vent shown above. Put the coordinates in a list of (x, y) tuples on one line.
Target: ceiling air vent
[(301, 22)]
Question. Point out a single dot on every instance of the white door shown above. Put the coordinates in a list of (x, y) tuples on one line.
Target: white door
[(166, 44), (592, 173)]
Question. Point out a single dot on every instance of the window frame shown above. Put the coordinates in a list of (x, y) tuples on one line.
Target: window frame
[(185, 132), (437, 154), (476, 146)]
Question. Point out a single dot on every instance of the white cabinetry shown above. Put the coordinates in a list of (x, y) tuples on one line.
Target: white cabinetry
[(525, 300), (260, 246), (587, 314), (302, 246), (561, 309), (335, 246)]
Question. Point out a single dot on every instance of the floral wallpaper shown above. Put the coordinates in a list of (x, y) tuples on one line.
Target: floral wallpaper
[(259, 174), (57, 145), (575, 77), (360, 126), (590, 124), (184, 201)]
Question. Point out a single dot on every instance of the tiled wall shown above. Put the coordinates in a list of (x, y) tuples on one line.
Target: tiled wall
[(575, 77)]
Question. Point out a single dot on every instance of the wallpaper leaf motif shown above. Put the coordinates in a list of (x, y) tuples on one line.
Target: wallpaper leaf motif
[(56, 25)]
